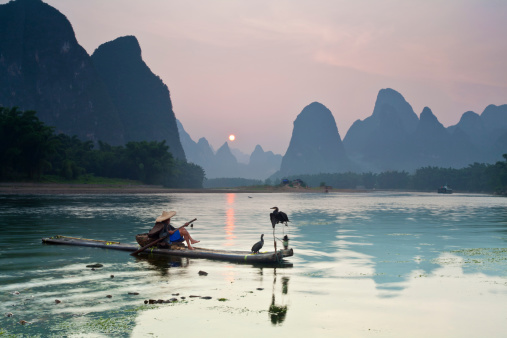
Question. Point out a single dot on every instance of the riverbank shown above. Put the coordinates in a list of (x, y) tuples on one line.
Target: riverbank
[(28, 188), (61, 188)]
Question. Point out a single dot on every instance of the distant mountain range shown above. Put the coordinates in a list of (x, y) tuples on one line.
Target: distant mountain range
[(394, 138), (113, 96), (223, 163)]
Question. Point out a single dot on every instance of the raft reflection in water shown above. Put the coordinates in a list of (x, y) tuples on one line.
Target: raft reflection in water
[(162, 264)]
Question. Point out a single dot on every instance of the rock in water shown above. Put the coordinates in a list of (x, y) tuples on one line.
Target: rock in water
[(94, 266)]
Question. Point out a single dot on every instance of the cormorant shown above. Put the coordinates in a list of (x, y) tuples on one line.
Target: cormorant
[(257, 246), (278, 217)]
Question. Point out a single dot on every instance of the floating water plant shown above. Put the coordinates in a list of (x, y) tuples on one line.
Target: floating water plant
[(121, 323), (481, 251)]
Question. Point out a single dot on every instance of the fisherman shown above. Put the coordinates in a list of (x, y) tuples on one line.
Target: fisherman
[(163, 228)]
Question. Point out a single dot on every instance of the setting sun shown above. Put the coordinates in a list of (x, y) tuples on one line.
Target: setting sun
[(232, 137)]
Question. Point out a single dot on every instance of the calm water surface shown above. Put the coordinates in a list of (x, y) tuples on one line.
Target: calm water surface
[(375, 264)]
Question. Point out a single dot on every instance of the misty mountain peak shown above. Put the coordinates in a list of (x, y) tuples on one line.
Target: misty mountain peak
[(314, 119), (430, 128), (469, 116), (495, 117), (398, 105), (315, 145), (122, 47), (258, 148), (224, 147), (258, 151), (471, 124), (261, 161), (224, 150), (203, 142), (427, 117), (225, 155), (427, 113)]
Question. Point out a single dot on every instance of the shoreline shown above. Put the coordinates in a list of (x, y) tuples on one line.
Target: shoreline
[(30, 188)]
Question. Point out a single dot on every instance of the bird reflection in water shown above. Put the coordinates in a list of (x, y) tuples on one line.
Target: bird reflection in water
[(278, 312)]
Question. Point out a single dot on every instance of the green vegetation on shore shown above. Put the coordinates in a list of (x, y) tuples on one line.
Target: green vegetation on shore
[(29, 150), (478, 177), (89, 179)]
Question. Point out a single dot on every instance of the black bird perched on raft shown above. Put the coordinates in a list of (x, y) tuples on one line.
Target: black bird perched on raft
[(278, 217), (257, 246)]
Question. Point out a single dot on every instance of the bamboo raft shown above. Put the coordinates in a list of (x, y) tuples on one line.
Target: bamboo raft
[(180, 251)]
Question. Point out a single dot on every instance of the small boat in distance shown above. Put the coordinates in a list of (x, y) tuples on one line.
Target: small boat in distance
[(445, 190)]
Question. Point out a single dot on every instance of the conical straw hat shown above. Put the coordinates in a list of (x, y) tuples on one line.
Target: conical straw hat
[(165, 216)]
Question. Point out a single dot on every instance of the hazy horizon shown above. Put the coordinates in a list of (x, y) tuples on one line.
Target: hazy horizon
[(249, 68)]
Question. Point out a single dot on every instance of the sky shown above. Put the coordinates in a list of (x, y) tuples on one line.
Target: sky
[(249, 67)]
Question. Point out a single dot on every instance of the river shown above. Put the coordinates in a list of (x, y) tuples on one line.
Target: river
[(380, 264)]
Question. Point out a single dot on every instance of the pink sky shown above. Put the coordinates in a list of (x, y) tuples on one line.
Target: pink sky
[(250, 67)]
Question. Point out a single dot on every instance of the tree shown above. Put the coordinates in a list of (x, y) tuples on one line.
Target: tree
[(393, 180), (26, 144), (185, 175), (369, 180), (498, 176), (72, 156), (150, 161)]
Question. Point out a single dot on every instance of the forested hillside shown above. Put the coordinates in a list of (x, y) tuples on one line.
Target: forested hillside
[(29, 149)]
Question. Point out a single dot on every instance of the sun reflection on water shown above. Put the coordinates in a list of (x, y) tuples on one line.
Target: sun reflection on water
[(229, 222)]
